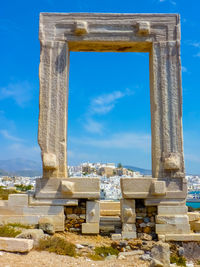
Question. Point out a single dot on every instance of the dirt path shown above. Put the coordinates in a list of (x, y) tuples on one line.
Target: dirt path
[(46, 259)]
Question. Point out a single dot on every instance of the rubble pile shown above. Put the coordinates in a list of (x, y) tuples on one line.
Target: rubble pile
[(145, 219)]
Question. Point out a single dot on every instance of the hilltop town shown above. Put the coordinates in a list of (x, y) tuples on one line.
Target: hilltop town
[(109, 174)]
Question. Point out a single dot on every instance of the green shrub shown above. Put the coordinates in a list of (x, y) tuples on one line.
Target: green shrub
[(106, 251), (8, 231), (180, 261), (24, 188), (4, 193), (57, 245), (95, 257)]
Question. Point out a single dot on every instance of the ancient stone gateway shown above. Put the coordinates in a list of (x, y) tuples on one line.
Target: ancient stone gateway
[(165, 193), (157, 34)]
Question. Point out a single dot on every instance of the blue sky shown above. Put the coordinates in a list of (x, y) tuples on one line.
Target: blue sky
[(109, 103)]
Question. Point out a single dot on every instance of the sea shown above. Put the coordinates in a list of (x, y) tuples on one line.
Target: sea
[(194, 204)]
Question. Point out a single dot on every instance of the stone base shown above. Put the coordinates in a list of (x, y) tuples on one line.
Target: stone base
[(25, 209), (162, 229), (167, 194), (172, 220), (72, 188), (154, 188), (18, 210)]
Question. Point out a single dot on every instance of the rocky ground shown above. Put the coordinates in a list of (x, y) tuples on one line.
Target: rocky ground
[(84, 244), (143, 252), (43, 259)]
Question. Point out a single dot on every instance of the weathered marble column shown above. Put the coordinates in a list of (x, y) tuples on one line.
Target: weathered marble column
[(52, 132), (166, 110)]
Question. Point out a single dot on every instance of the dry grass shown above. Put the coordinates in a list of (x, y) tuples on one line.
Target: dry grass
[(9, 231), (19, 225), (57, 245)]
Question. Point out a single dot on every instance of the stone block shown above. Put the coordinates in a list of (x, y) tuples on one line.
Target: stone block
[(43, 210), (15, 244), (18, 200), (110, 220), (50, 161), (109, 208), (132, 253), (143, 27), (127, 227), (81, 27), (158, 188), (195, 226), (172, 162), (133, 188), (31, 210), (172, 219), (87, 188), (35, 234), (58, 220), (172, 210), (67, 187), (116, 237), (193, 216), (92, 211), (182, 237), (128, 235), (128, 210), (172, 229), (90, 228), (52, 202), (158, 201), (110, 212), (107, 228), (161, 252), (47, 225)]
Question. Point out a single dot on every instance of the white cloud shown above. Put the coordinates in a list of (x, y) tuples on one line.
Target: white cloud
[(102, 105), (21, 92), (195, 44), (18, 150), (78, 155), (197, 55), (192, 157), (124, 140), (170, 1), (184, 69), (8, 136), (93, 126), (106, 102)]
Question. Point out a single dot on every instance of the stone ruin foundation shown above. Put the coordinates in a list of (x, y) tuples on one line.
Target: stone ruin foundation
[(145, 219), (73, 203)]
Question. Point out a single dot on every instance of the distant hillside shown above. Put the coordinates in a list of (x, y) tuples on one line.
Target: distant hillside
[(136, 169), (3, 173), (21, 167)]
